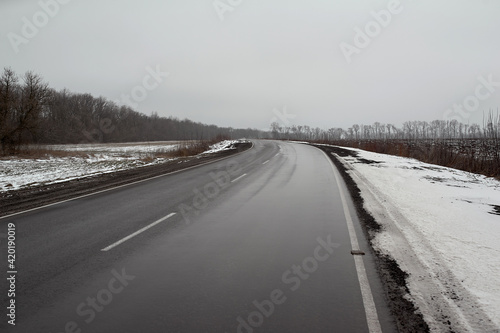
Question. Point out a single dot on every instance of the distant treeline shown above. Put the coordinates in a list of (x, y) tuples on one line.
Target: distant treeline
[(449, 143), (411, 130), (32, 112)]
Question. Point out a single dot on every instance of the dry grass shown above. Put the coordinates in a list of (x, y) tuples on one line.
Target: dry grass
[(32, 152), (190, 149), (476, 156)]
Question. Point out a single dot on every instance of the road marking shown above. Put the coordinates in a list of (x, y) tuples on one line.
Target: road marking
[(137, 232), (236, 179), (366, 292), (124, 185), (266, 162)]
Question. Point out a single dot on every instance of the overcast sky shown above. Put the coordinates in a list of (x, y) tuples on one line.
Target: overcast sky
[(246, 63)]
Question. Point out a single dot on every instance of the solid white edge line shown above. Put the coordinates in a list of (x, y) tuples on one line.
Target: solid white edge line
[(366, 292), (137, 232), (236, 179), (119, 186), (266, 162)]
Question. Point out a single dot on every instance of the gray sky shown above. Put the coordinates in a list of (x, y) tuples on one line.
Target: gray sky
[(245, 63)]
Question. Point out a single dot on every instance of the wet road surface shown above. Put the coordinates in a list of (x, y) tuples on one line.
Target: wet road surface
[(257, 242)]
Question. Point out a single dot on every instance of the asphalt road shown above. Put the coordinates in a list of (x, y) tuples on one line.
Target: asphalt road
[(258, 242)]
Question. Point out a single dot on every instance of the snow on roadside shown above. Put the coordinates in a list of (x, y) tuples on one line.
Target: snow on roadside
[(440, 225), (90, 160), (19, 173), (223, 145)]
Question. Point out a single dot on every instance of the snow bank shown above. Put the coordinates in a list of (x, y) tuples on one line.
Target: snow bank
[(440, 225), (223, 145)]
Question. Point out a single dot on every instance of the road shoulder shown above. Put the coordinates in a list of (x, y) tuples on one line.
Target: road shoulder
[(406, 315)]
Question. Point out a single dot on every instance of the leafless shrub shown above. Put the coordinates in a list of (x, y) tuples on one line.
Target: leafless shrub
[(186, 148)]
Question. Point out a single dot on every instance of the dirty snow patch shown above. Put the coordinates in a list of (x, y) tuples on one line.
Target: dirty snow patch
[(442, 227)]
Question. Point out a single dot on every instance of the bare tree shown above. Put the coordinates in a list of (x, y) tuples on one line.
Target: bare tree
[(355, 127), (275, 129), (21, 107), (8, 92), (35, 95)]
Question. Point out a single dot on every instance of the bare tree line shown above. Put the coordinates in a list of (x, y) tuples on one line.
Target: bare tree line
[(411, 130), (450, 143), (32, 112)]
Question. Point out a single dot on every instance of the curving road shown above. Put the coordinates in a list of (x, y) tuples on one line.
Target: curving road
[(258, 242)]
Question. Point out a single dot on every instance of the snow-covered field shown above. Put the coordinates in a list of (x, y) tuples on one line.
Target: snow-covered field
[(442, 226), (87, 160)]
